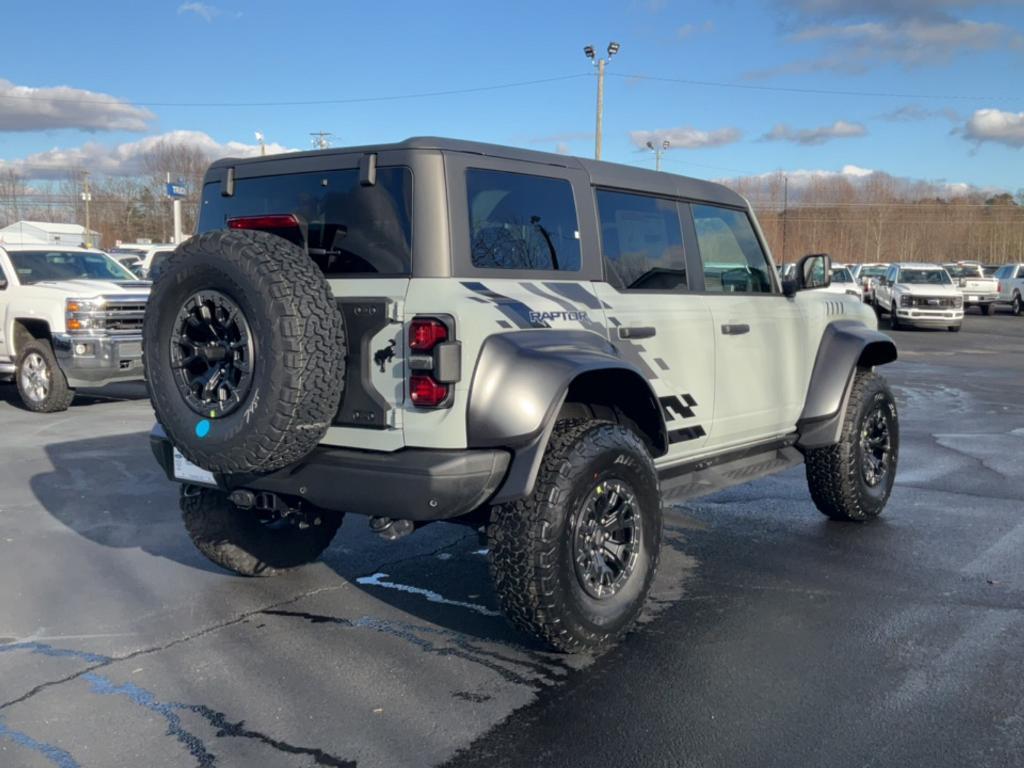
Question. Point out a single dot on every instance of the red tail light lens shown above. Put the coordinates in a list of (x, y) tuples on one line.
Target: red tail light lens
[(425, 333), (273, 221), (425, 392)]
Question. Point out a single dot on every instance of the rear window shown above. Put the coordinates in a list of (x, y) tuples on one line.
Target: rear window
[(520, 221), (351, 229)]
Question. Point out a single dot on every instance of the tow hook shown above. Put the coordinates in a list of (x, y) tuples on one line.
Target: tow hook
[(390, 529)]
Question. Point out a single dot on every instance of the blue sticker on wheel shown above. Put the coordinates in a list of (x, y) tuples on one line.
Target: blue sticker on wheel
[(203, 428)]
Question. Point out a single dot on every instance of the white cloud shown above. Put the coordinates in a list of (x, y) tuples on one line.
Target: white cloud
[(125, 159), (207, 12), (995, 125), (911, 33), (840, 129), (686, 137), (42, 109)]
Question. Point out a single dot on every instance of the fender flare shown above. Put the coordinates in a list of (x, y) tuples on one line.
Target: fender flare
[(518, 387), (845, 346)]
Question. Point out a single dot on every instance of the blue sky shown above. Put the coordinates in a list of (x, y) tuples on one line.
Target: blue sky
[(138, 59)]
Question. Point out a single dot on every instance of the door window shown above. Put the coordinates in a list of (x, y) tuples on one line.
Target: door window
[(642, 241), (733, 259), (521, 221)]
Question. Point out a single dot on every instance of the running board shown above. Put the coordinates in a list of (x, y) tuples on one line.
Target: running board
[(702, 478)]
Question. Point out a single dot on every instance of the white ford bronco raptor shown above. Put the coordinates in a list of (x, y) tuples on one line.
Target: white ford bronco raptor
[(69, 317), (543, 345)]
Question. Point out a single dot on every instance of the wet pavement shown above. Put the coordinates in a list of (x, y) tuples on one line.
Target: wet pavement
[(775, 637)]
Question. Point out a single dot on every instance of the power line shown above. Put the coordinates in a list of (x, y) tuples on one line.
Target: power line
[(310, 103), (810, 91)]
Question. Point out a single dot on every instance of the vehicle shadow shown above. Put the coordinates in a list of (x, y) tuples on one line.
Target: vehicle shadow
[(125, 391)]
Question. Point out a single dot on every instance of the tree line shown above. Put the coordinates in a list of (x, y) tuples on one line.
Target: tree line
[(869, 218)]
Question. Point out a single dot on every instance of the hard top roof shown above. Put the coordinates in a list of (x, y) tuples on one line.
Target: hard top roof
[(600, 173)]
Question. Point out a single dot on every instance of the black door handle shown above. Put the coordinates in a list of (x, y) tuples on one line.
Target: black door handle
[(637, 332), (735, 329)]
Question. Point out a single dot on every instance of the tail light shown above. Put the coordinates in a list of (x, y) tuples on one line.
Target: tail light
[(999, 286), (435, 361)]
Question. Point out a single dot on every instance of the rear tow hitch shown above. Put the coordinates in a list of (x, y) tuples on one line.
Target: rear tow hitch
[(274, 508)]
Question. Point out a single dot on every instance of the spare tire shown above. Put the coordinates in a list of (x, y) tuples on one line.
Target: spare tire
[(244, 351)]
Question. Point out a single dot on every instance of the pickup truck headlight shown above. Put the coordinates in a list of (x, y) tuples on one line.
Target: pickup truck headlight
[(906, 300), (80, 315), (958, 301)]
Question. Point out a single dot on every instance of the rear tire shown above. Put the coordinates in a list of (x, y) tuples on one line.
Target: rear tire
[(552, 552), (42, 385), (853, 479), (985, 308), (1017, 305), (236, 540)]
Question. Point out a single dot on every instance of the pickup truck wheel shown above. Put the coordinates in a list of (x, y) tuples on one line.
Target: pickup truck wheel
[(244, 349), (894, 321), (954, 329), (41, 382), (240, 541), (852, 480), (1017, 305), (573, 562), (985, 308)]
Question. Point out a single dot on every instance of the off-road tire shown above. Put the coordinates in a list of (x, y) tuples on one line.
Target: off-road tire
[(1017, 305), (834, 473), (60, 395), (298, 359), (530, 540), (237, 541)]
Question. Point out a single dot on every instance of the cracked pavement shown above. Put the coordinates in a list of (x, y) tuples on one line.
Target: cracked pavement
[(774, 636)]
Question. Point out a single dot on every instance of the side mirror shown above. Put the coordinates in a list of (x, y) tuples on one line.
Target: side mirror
[(789, 288), (814, 271)]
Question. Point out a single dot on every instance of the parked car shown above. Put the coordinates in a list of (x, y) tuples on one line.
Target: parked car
[(69, 317), (151, 255), (537, 351), (843, 282), (977, 289), (131, 262), (867, 275), (1010, 285), (919, 295), (990, 269)]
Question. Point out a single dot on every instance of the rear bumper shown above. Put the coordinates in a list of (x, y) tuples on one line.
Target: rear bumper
[(978, 299), (95, 361), (410, 484)]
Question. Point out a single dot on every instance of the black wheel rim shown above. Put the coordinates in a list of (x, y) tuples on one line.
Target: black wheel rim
[(606, 538), (875, 447), (212, 354)]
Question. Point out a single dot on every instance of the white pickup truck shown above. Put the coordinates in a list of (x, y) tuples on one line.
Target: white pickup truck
[(978, 290), (1010, 278), (69, 317), (919, 295)]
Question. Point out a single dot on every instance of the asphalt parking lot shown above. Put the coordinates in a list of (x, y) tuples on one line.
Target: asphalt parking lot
[(774, 637)]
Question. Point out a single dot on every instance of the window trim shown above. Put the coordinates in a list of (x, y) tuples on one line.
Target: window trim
[(773, 275), (456, 165), (680, 215)]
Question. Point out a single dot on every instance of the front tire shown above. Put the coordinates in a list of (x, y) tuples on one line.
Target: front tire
[(954, 329), (237, 540), (42, 385), (1017, 305), (573, 562), (894, 321), (853, 479)]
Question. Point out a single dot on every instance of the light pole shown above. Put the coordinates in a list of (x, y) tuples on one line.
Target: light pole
[(658, 151), (613, 48), (87, 198)]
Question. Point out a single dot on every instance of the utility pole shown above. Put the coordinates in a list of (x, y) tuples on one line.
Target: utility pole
[(658, 151), (321, 139), (261, 142), (87, 198), (785, 213), (613, 48)]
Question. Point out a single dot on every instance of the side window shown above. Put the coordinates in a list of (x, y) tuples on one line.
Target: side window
[(732, 256), (642, 241), (520, 221)]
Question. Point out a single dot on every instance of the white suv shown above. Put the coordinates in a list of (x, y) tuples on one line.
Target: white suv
[(919, 295)]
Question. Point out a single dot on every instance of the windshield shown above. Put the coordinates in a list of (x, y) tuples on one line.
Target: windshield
[(925, 277), (964, 270), (39, 266), (841, 275), (873, 271)]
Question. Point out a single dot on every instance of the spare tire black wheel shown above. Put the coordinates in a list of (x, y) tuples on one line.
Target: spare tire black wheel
[(244, 350)]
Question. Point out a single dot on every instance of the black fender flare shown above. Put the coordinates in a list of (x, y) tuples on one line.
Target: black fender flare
[(845, 346), (518, 387)]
